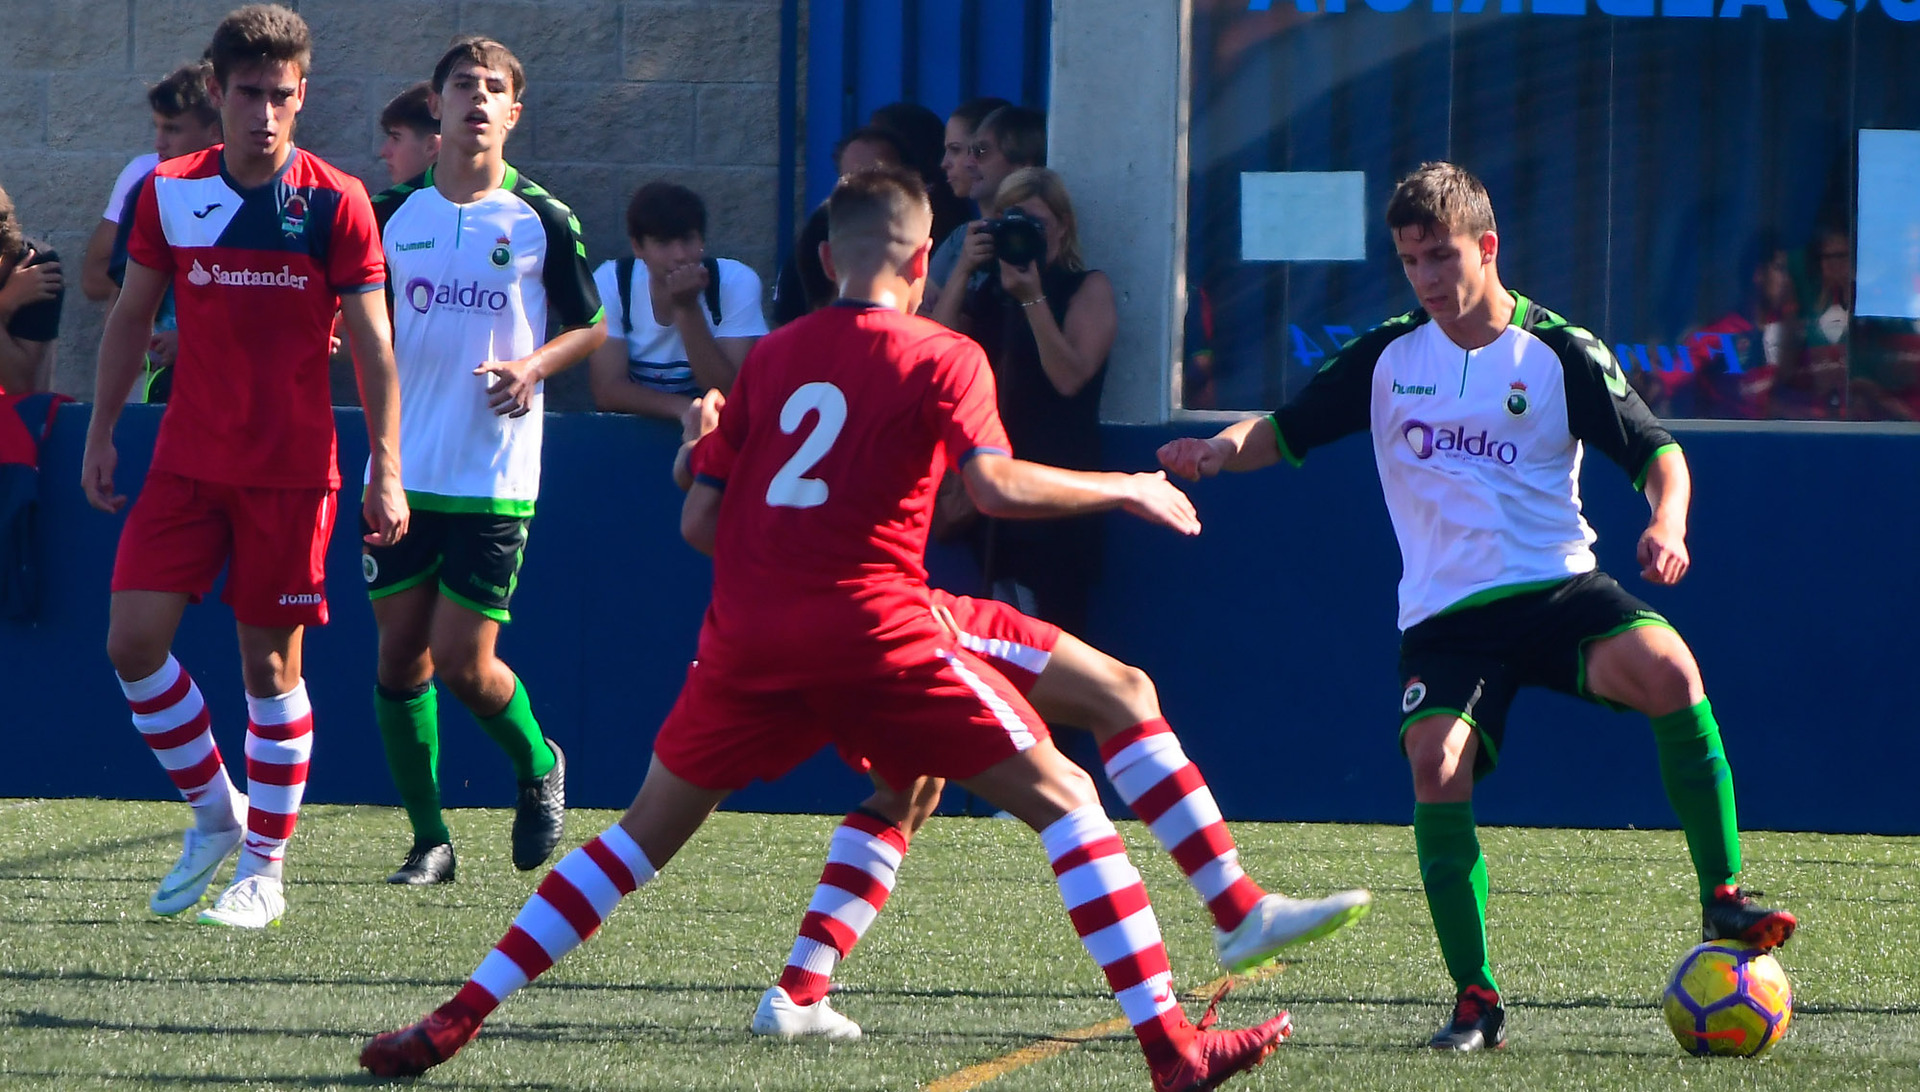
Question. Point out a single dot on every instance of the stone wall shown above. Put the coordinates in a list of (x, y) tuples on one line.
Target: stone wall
[(619, 92)]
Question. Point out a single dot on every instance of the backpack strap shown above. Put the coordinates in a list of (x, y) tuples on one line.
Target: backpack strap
[(713, 288), (623, 273)]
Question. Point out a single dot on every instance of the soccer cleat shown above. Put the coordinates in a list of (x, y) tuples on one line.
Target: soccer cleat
[(1734, 915), (1278, 922), (779, 1015), (200, 856), (540, 815), (253, 903), (1214, 1056), (1479, 1022), (420, 1046), (425, 865)]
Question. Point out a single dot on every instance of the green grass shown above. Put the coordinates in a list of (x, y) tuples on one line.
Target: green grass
[(972, 959)]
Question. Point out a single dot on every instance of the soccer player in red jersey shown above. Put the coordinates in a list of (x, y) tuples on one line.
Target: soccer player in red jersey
[(814, 496), (261, 243)]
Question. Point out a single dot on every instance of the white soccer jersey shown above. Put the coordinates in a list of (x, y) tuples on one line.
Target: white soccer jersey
[(473, 283), (1479, 449)]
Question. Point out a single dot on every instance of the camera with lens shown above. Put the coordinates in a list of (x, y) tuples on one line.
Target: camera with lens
[(1019, 239)]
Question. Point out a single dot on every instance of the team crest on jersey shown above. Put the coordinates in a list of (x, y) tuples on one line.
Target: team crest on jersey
[(1517, 398), (1416, 693), (502, 253), (293, 214)]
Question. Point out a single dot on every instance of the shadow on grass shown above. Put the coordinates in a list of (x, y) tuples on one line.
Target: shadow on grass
[(12, 868), (266, 1080)]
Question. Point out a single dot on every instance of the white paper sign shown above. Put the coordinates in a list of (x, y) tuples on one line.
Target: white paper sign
[(1303, 216), (1888, 278)]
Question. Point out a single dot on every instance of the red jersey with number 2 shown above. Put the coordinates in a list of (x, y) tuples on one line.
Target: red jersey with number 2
[(828, 452)]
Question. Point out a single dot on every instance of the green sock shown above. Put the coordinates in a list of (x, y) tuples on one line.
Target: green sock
[(1700, 787), (518, 734), (1455, 876), (410, 731)]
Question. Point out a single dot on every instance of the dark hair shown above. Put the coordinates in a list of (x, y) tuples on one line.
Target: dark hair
[(184, 91), (1442, 198), (877, 216), (13, 239), (920, 132), (1021, 133), (975, 111), (872, 134), (483, 51), (665, 211), (260, 34), (408, 110)]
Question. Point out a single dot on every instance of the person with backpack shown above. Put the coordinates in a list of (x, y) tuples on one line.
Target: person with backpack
[(684, 321)]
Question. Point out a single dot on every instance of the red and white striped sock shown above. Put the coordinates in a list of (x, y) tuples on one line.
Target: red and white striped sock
[(279, 744), (173, 720), (1110, 911), (862, 861), (569, 905), (1152, 774)]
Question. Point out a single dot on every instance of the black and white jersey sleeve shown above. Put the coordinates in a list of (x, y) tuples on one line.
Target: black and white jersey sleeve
[(572, 299), (1603, 410), (1338, 401)]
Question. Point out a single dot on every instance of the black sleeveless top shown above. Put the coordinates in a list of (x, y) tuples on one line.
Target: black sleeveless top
[(1044, 425)]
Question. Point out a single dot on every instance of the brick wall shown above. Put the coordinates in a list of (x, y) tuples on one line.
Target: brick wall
[(619, 92)]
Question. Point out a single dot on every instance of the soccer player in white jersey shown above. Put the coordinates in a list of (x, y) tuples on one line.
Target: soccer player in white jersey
[(1479, 404), (480, 259)]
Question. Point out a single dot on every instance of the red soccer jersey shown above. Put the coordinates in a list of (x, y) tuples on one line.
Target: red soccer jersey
[(829, 451), (257, 277)]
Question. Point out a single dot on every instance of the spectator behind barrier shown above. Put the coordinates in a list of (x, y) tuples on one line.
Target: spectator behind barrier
[(803, 285), (31, 291), (410, 134), (922, 134), (1047, 328), (710, 307), (184, 121), (1006, 140), (1737, 357), (1814, 384), (955, 163)]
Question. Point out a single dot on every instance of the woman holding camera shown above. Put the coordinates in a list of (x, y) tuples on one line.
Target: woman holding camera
[(1047, 324)]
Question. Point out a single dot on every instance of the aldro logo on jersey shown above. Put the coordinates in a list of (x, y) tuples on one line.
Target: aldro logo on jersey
[(469, 296), (1426, 441)]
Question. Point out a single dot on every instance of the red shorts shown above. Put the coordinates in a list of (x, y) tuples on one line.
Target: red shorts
[(1017, 646), (952, 717), (272, 542)]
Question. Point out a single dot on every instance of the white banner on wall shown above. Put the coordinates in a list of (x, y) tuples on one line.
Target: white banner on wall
[(1303, 216), (1889, 248)]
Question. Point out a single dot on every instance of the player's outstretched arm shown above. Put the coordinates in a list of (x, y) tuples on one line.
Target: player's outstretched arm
[(1243, 445), (123, 347), (371, 336), (1663, 546), (1009, 488)]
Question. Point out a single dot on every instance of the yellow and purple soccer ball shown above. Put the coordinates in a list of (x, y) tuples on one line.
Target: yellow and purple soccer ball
[(1728, 999)]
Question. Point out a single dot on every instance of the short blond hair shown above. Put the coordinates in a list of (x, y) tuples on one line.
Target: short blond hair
[(1030, 182)]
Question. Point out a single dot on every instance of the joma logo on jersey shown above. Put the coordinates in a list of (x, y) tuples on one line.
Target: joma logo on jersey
[(1400, 389), (423, 295), (284, 277), (1427, 440)]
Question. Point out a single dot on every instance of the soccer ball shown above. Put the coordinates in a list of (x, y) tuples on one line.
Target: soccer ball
[(1728, 998)]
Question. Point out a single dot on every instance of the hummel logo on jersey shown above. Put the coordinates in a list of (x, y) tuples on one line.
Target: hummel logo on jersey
[(1428, 389), (203, 213), (284, 277), (423, 244)]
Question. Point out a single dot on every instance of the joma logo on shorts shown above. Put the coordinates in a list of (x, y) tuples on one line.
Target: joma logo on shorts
[(299, 600)]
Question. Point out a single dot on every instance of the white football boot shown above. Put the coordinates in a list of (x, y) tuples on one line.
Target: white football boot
[(201, 855), (1279, 922), (778, 1015), (253, 903)]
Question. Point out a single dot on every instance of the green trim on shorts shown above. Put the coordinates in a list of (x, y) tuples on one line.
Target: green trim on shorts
[(1493, 595), (1580, 672), (490, 506), (1281, 440), (494, 613), (1486, 744), (1640, 479), (410, 582)]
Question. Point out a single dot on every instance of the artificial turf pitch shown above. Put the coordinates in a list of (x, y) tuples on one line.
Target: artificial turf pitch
[(971, 962)]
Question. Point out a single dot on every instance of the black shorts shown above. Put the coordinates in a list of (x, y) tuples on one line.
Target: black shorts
[(1470, 663), (476, 555)]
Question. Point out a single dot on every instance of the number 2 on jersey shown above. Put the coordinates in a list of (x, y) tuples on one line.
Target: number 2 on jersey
[(790, 488)]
